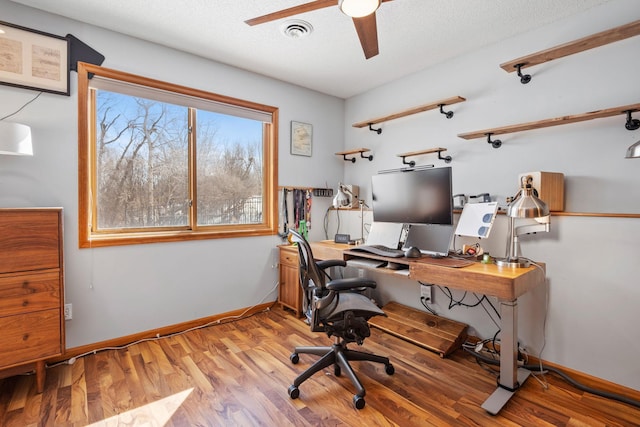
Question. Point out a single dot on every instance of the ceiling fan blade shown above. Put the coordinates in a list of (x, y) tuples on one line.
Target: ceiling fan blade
[(284, 13), (367, 30)]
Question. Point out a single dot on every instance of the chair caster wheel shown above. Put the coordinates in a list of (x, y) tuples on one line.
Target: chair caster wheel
[(294, 358), (389, 369), (294, 392), (358, 402), (337, 371)]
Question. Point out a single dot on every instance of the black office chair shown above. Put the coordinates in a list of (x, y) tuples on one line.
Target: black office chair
[(338, 308)]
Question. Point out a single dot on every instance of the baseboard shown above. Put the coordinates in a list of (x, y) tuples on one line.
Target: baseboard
[(163, 331)]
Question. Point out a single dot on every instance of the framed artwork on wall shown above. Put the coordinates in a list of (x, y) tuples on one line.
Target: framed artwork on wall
[(32, 59), (301, 138)]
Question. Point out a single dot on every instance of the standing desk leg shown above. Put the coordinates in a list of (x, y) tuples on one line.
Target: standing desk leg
[(510, 376)]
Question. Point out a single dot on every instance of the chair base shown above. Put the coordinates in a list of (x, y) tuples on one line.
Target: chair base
[(339, 356)]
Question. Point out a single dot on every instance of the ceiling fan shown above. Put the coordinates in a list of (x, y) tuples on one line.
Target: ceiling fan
[(363, 13)]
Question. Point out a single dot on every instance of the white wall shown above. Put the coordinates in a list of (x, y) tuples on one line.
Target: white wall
[(119, 291), (592, 266)]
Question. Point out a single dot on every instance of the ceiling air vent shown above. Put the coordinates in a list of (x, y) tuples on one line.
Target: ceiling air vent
[(296, 28)]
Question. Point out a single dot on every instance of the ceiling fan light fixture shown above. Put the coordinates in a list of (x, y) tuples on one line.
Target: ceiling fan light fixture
[(359, 8)]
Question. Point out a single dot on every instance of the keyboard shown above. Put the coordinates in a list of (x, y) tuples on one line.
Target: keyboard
[(380, 250)]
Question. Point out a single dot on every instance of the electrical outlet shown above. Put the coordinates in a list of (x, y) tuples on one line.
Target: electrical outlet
[(426, 293), (68, 312), (360, 272)]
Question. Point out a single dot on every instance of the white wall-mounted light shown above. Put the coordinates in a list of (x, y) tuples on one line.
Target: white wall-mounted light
[(633, 152), (359, 8), (15, 139)]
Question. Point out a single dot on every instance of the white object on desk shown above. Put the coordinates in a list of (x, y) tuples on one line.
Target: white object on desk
[(477, 219), (385, 234)]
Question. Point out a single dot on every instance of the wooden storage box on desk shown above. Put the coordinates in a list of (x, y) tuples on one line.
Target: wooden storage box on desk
[(31, 290)]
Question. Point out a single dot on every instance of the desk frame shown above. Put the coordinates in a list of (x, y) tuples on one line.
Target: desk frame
[(504, 283)]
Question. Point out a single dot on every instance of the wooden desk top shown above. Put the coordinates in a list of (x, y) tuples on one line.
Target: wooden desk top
[(505, 283)]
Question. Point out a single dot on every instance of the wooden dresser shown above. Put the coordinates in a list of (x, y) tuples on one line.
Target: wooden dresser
[(290, 292), (31, 290)]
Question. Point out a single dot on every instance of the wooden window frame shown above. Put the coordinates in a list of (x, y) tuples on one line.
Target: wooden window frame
[(90, 237)]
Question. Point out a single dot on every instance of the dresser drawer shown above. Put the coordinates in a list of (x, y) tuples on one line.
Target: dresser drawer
[(289, 257), (25, 293), (29, 239), (29, 337)]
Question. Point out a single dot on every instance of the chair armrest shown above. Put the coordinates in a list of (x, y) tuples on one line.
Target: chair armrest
[(350, 283), (328, 263)]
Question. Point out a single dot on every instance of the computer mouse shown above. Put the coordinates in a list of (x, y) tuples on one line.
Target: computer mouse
[(413, 252)]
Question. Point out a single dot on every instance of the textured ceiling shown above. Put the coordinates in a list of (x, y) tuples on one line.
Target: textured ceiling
[(413, 34)]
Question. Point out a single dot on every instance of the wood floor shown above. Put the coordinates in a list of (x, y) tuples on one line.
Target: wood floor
[(237, 374)]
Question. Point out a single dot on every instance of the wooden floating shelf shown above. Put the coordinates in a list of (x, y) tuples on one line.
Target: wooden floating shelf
[(415, 110), (598, 114), (576, 46), (344, 154), (438, 150), (417, 153)]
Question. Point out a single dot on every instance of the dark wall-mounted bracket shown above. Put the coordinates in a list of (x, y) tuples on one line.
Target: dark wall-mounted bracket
[(411, 163), (631, 124), (447, 159), (496, 143), (448, 114), (524, 78), (378, 131)]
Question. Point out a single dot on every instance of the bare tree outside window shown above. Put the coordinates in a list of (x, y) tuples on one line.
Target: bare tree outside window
[(143, 167)]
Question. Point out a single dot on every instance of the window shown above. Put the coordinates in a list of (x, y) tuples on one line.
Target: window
[(162, 162)]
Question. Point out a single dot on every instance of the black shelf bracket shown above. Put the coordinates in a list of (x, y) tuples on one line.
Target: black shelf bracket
[(378, 131), (370, 156), (631, 124), (447, 159), (496, 143), (411, 163), (524, 78), (352, 160), (448, 114)]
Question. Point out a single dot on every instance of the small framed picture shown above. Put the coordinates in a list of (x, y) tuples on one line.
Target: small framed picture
[(301, 138), (32, 59)]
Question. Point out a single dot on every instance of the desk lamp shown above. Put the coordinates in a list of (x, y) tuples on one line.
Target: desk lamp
[(633, 152), (15, 139), (524, 205)]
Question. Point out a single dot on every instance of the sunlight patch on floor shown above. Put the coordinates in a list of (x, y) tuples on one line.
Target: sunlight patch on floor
[(153, 414)]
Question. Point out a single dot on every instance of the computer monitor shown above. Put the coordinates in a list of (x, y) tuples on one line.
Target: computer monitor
[(413, 197)]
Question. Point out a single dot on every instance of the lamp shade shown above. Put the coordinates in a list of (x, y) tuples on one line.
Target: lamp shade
[(527, 205), (359, 8), (15, 139), (633, 152)]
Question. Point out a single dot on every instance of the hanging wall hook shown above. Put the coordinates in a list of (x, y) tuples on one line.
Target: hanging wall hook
[(378, 131), (631, 124), (448, 114), (496, 143), (524, 78)]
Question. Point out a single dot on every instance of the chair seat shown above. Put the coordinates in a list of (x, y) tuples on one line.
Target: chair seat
[(358, 304)]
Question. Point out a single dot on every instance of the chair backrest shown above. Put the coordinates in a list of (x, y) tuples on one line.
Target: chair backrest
[(311, 277), (312, 280)]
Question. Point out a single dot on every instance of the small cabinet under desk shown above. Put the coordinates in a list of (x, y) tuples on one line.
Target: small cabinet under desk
[(289, 290), (31, 290)]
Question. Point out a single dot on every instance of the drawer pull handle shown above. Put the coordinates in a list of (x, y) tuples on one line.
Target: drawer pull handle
[(25, 337)]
